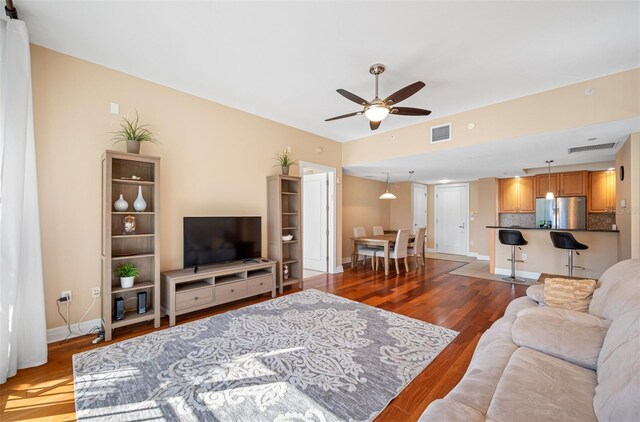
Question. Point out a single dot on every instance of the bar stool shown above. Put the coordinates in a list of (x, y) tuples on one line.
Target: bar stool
[(564, 240), (512, 238)]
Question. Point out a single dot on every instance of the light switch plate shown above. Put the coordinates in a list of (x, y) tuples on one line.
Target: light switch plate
[(115, 108)]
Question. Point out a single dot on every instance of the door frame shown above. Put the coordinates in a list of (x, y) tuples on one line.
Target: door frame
[(332, 202), (435, 212)]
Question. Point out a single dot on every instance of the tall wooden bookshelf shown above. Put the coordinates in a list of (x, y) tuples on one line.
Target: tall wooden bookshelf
[(285, 217), (141, 247)]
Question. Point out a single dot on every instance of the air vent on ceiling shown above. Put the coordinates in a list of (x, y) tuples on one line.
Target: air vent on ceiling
[(441, 133), (586, 148)]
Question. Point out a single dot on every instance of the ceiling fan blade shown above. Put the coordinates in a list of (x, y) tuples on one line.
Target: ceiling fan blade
[(343, 116), (410, 111), (353, 97), (404, 93), (374, 125)]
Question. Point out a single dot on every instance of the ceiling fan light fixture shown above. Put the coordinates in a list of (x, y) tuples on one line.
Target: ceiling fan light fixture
[(376, 113)]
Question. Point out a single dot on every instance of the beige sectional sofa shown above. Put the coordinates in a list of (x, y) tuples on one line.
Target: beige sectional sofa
[(539, 363)]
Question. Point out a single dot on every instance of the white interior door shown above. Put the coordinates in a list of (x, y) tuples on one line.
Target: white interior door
[(419, 207), (314, 214), (451, 219)]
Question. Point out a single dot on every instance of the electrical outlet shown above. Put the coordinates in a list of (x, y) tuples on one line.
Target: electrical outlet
[(524, 256), (67, 294), (95, 292)]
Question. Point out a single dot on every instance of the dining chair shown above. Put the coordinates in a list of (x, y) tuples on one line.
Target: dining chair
[(400, 249), (364, 251), (417, 249), (378, 231)]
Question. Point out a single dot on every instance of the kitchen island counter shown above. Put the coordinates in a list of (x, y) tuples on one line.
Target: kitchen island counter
[(559, 230), (543, 257)]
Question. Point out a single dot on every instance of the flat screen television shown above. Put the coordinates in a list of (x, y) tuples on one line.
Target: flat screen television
[(214, 240)]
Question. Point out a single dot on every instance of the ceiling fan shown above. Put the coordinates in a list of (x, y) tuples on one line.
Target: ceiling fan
[(376, 110)]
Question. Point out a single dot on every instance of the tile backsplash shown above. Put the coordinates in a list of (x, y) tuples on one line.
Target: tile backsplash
[(600, 221), (519, 219)]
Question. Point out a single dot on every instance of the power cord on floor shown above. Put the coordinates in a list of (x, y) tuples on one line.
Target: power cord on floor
[(64, 300), (66, 319)]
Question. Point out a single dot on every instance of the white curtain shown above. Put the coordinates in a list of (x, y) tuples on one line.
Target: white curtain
[(23, 333)]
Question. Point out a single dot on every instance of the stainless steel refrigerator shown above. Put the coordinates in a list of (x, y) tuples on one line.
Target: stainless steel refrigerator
[(562, 213)]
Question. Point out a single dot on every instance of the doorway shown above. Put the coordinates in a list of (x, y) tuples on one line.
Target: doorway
[(318, 219), (314, 222), (419, 207), (451, 219)]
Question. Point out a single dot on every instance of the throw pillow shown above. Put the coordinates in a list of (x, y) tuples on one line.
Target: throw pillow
[(569, 294)]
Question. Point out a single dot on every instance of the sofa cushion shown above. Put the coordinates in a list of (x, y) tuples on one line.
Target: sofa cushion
[(618, 392), (489, 359), (536, 293), (573, 336), (568, 293), (618, 290), (446, 410), (516, 306), (539, 387)]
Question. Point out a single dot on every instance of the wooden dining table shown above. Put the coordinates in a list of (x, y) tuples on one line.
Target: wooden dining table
[(386, 240)]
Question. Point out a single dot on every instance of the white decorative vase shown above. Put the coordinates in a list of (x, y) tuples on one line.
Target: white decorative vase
[(126, 282), (140, 204), (121, 204)]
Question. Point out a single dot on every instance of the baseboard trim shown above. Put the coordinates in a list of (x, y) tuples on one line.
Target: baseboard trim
[(60, 333), (337, 270), (346, 260), (525, 274), (472, 254), (432, 250), (482, 257)]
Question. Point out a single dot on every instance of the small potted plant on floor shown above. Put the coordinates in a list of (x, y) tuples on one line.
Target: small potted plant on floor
[(133, 133), (285, 160), (127, 274)]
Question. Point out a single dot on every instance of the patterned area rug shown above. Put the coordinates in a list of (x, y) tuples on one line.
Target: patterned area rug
[(308, 356)]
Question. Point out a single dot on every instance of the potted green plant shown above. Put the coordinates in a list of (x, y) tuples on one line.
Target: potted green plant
[(133, 133), (127, 274), (285, 160)]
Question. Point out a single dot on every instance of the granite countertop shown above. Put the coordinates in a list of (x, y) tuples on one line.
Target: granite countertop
[(562, 230)]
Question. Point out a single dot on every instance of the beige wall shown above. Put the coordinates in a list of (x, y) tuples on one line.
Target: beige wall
[(615, 97), (487, 214), (542, 257), (401, 208), (362, 207), (214, 162), (431, 200), (628, 218), (474, 226)]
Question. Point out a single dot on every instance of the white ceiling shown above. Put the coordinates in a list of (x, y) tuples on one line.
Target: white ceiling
[(284, 61), (507, 158)]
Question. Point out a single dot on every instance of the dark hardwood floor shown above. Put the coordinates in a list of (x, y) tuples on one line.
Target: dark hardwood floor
[(465, 304)]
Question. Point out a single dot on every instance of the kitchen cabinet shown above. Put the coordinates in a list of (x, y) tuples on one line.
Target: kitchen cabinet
[(542, 185), (602, 191), (517, 195), (573, 183)]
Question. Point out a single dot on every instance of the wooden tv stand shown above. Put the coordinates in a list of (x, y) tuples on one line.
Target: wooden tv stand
[(186, 291)]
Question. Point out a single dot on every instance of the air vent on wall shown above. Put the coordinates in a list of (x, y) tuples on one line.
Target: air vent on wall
[(585, 148), (441, 133)]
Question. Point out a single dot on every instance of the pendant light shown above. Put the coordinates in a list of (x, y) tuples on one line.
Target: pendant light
[(387, 194), (549, 191)]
